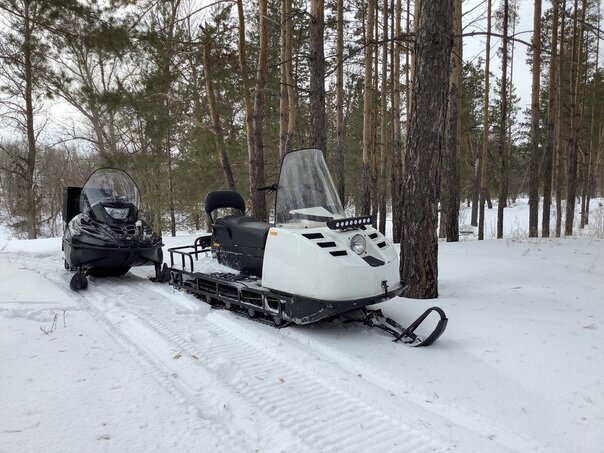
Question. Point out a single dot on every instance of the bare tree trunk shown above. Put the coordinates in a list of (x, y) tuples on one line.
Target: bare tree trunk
[(256, 156), (215, 118), (368, 97), (375, 174), (593, 150), (559, 147), (419, 245), (474, 153), (575, 117), (383, 123), (396, 187), (30, 163), (504, 176), (283, 89), (450, 184), (318, 136), (339, 163), (551, 127), (291, 83), (247, 102), (535, 132), (171, 206), (485, 127), (168, 69)]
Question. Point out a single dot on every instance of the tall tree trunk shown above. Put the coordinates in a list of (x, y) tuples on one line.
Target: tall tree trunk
[(575, 118), (171, 205), (375, 183), (419, 244), (368, 98), (475, 155), (257, 160), (338, 160), (504, 175), (215, 118), (168, 70), (396, 187), (450, 183), (291, 83), (383, 123), (551, 126), (249, 111), (535, 132), (593, 150), (318, 136), (30, 163), (485, 126), (560, 111), (283, 89)]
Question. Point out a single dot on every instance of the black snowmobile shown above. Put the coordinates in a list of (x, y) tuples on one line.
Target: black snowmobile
[(311, 263), (104, 235)]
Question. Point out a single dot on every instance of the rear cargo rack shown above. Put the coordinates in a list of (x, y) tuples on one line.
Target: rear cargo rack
[(191, 252)]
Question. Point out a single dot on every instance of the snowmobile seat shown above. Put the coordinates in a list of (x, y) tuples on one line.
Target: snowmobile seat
[(239, 241), (242, 230), (219, 199)]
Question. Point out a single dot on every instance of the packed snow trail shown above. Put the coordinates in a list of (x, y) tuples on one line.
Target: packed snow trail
[(258, 374), (498, 380), (281, 400)]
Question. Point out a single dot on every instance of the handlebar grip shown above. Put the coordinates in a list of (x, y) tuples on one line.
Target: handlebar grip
[(270, 188)]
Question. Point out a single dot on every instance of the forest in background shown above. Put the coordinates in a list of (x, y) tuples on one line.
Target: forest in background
[(192, 96)]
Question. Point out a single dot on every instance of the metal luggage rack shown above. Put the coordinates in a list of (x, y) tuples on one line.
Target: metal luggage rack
[(192, 252)]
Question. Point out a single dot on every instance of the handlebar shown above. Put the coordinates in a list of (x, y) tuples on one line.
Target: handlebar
[(271, 188)]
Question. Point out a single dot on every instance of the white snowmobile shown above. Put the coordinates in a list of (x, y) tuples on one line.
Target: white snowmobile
[(311, 263)]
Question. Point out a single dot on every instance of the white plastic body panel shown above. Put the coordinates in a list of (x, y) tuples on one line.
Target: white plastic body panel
[(297, 265)]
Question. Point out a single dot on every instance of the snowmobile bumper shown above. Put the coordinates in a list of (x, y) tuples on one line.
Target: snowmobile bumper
[(88, 256), (305, 311)]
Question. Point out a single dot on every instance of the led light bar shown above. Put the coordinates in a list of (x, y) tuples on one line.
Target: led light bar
[(349, 223)]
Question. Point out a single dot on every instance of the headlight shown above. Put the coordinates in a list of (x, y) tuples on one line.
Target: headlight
[(118, 213), (357, 244)]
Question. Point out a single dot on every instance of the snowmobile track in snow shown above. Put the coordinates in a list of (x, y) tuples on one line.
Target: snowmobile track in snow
[(161, 375), (321, 416), (318, 417), (311, 413)]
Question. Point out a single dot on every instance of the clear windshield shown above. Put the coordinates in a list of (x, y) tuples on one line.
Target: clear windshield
[(306, 194), (111, 187)]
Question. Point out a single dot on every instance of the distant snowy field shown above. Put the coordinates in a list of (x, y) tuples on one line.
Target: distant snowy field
[(130, 366)]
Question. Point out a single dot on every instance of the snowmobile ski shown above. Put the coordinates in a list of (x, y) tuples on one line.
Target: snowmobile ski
[(375, 318)]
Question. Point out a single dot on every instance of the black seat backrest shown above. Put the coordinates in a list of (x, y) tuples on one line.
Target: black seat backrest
[(223, 199), (71, 203)]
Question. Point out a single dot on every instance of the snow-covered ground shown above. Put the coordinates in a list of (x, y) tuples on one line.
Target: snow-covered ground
[(132, 366)]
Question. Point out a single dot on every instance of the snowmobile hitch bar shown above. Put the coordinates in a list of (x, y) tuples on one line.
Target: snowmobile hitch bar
[(375, 318)]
